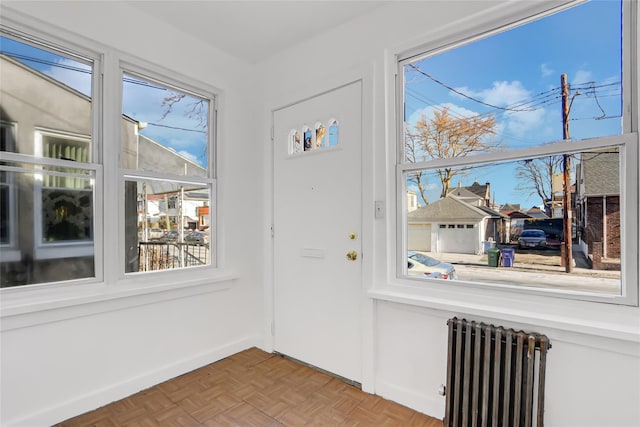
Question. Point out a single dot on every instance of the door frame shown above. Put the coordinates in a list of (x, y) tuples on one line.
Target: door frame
[(317, 87)]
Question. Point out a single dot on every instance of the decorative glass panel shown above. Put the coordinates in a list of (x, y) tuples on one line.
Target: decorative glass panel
[(320, 135), (333, 133), (295, 142), (308, 139)]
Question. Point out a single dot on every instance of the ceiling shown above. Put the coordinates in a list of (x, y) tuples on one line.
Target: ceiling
[(254, 30)]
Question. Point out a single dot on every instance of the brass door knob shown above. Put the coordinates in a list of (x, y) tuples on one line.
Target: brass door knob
[(352, 256)]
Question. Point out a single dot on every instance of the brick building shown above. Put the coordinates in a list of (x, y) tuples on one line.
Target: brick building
[(598, 205)]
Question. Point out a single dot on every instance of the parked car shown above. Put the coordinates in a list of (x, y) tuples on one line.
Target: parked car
[(532, 238), (197, 237), (425, 266), (170, 236), (155, 233)]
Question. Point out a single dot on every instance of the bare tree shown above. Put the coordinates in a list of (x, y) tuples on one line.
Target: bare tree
[(411, 148), (446, 136), (535, 176), (197, 109)]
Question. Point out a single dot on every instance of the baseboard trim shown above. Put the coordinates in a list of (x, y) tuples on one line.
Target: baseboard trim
[(434, 407), (93, 399)]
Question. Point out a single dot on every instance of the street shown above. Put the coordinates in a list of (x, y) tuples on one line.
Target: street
[(537, 268)]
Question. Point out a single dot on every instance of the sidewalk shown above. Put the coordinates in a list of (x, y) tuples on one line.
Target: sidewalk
[(533, 270), (547, 261)]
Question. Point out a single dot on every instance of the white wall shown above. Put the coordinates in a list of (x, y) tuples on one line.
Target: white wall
[(98, 343), (69, 358), (593, 376)]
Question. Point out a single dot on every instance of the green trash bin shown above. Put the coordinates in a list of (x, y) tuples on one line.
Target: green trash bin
[(493, 256)]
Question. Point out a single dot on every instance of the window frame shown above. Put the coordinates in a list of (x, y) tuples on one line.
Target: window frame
[(628, 142), (106, 113), (60, 45), (170, 80), (8, 250)]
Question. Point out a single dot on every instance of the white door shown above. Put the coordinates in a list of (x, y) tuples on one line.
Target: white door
[(317, 224)]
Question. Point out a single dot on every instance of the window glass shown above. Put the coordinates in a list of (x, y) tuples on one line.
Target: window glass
[(171, 223), (535, 235), (320, 135), (163, 129), (513, 145), (47, 182), (165, 137), (333, 133), (308, 143)]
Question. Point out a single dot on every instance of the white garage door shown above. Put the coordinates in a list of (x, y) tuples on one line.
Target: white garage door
[(419, 238), (458, 238)]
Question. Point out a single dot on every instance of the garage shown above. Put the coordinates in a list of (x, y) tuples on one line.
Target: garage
[(419, 237), (458, 238)]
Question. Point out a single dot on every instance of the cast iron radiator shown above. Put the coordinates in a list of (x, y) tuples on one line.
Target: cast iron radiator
[(491, 376)]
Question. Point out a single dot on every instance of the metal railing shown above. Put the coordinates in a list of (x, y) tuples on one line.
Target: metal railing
[(155, 256)]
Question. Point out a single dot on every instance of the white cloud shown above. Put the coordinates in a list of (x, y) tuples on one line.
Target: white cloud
[(500, 94), (546, 70), (582, 76), (521, 123)]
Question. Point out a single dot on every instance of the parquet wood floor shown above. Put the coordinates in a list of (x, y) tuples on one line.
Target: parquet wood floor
[(253, 388)]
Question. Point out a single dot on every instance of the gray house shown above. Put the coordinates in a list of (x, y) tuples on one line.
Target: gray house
[(453, 225)]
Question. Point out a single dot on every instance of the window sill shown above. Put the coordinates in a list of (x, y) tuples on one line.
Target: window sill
[(582, 317), (29, 307)]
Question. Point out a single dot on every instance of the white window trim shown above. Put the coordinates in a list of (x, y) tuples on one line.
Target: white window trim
[(564, 310), (186, 85)]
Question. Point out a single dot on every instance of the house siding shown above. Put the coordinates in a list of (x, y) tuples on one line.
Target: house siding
[(593, 232)]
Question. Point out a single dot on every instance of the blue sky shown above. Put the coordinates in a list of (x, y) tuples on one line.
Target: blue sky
[(141, 101), (520, 70)]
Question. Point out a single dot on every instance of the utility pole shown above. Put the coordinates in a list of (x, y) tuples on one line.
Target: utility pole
[(566, 181)]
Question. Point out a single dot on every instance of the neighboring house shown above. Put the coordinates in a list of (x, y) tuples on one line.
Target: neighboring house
[(536, 212), (481, 191), (453, 225), (598, 205), (465, 194), (516, 220), (412, 201)]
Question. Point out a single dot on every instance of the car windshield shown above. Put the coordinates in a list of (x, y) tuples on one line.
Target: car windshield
[(423, 259), (532, 233)]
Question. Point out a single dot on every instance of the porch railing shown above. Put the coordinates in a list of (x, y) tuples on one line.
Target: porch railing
[(154, 256)]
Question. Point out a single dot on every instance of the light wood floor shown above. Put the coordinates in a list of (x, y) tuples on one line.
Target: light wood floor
[(253, 388)]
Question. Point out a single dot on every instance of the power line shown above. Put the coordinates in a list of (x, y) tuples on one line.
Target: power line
[(73, 68), (464, 94), (177, 128)]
